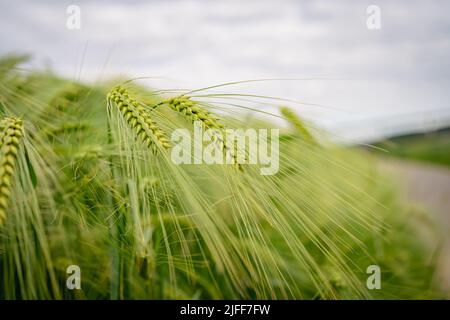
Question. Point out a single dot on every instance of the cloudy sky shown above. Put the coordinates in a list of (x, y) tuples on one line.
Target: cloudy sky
[(376, 82)]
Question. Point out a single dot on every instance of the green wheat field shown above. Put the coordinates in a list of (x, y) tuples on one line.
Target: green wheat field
[(86, 179)]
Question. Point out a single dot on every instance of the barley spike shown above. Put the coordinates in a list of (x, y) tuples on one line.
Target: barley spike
[(11, 131), (298, 124), (138, 118), (191, 109)]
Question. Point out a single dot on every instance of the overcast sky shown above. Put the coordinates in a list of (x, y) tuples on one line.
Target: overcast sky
[(397, 77)]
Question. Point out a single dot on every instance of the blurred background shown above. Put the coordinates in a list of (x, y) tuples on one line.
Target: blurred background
[(376, 71)]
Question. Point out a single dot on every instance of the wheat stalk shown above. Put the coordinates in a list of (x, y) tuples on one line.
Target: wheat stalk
[(138, 118), (10, 134)]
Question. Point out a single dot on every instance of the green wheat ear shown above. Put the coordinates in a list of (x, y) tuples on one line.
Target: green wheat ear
[(191, 109), (70, 94), (138, 118), (298, 124), (11, 131)]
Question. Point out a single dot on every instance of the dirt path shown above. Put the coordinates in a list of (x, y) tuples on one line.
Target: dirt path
[(427, 186)]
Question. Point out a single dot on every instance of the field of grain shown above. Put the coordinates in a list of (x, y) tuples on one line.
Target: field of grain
[(87, 180)]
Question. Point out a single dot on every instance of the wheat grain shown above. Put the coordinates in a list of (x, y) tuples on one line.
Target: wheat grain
[(138, 118), (10, 134)]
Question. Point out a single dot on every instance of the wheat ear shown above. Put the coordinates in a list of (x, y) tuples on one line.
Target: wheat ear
[(191, 109), (11, 131), (138, 118)]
